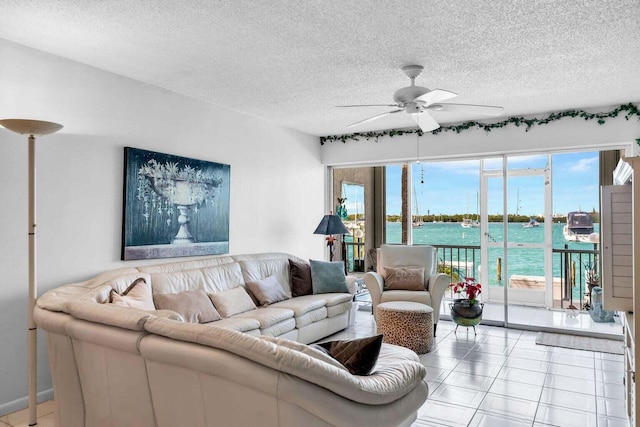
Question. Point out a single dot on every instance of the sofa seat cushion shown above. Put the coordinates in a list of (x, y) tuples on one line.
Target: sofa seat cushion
[(279, 328), (240, 324), (268, 316), (336, 299), (302, 305), (311, 317), (337, 310), (423, 297)]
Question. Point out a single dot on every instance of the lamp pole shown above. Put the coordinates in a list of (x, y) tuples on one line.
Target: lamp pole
[(32, 128)]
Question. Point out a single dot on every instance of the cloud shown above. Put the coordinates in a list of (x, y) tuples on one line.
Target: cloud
[(584, 165)]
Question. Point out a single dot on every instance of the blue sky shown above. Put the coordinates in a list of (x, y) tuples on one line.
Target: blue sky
[(452, 187)]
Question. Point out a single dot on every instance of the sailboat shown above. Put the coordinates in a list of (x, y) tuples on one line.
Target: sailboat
[(417, 218), (468, 222)]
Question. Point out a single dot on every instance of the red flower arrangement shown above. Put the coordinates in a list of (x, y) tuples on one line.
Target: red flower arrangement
[(468, 286)]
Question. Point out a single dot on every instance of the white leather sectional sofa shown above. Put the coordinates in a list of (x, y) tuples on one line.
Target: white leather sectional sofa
[(122, 366)]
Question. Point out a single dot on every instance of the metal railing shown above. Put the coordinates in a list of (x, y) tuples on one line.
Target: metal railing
[(576, 269), (579, 274)]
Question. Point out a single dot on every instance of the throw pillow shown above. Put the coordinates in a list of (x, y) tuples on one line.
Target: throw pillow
[(328, 277), (266, 291), (232, 301), (137, 295), (300, 278), (359, 356), (404, 278), (194, 306)]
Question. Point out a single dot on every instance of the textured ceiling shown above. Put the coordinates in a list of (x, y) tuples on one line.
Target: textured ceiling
[(291, 62)]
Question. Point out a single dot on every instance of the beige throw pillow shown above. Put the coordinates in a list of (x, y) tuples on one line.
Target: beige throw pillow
[(233, 301), (404, 278), (194, 306), (266, 291), (137, 295)]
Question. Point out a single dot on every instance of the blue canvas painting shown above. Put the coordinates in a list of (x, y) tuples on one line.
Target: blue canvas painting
[(174, 206)]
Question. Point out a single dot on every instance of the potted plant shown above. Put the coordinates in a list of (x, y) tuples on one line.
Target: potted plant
[(466, 310)]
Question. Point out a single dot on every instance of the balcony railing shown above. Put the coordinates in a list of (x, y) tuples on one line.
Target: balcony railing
[(575, 273)]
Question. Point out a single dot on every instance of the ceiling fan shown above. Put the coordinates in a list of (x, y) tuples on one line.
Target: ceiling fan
[(417, 101)]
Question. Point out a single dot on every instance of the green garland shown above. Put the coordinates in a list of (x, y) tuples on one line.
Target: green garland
[(630, 109)]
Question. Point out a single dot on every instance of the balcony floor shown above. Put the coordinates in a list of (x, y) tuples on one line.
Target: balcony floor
[(548, 320)]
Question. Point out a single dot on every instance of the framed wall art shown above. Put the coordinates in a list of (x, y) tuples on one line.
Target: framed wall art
[(174, 206)]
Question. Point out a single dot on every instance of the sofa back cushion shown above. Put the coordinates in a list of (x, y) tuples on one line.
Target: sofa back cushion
[(177, 281), (194, 264), (261, 268), (222, 277), (209, 279)]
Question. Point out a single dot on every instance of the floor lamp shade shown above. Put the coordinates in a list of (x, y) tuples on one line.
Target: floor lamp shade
[(331, 224), (32, 128)]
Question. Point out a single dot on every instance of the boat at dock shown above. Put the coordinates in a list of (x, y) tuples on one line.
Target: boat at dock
[(469, 223), (578, 228)]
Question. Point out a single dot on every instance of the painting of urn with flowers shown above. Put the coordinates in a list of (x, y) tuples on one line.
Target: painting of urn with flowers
[(174, 206)]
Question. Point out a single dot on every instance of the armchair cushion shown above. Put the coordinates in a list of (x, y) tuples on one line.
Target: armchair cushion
[(404, 278)]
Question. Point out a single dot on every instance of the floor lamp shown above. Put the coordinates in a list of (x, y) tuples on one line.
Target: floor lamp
[(32, 128), (330, 225)]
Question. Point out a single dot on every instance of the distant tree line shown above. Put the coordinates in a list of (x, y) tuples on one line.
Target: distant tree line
[(595, 216)]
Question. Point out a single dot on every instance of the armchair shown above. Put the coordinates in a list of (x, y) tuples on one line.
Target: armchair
[(435, 283)]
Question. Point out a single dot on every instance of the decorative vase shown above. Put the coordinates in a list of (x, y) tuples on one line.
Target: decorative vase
[(463, 313)]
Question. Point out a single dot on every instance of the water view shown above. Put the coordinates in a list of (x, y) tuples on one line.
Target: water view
[(522, 261)]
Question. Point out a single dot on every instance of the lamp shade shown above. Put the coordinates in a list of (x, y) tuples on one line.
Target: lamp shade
[(331, 224), (30, 127)]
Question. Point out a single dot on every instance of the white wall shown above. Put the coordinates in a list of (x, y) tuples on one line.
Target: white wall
[(277, 182)]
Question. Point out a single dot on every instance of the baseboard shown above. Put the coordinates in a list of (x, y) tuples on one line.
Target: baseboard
[(23, 402)]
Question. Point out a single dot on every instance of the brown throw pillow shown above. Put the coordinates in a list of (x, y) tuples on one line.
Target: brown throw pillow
[(300, 278), (266, 291), (194, 306), (359, 356), (137, 295), (404, 278)]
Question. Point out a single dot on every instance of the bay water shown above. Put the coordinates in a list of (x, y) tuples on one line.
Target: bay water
[(522, 261)]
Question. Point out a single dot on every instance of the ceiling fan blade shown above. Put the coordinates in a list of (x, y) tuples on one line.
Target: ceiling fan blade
[(490, 110), (425, 121), (368, 105), (436, 95), (377, 116)]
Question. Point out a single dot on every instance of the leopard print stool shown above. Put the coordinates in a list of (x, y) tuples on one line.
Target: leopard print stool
[(406, 323)]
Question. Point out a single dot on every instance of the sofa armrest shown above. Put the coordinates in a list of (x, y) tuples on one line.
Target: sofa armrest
[(352, 285), (438, 284), (374, 283)]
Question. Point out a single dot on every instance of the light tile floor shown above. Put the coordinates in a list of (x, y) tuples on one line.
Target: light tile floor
[(499, 377)]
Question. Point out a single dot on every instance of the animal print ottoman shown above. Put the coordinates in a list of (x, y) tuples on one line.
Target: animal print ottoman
[(406, 323)]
